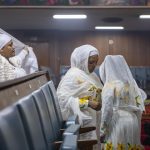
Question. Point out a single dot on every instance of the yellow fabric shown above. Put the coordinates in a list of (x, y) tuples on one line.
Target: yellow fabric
[(83, 102), (109, 146)]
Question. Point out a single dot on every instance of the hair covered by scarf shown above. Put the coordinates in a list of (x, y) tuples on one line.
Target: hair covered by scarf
[(80, 56), (4, 39)]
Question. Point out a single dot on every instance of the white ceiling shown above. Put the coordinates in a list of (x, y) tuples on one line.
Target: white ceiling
[(40, 17)]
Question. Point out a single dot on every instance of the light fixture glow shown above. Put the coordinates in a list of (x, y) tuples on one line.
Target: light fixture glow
[(144, 16), (70, 16), (109, 28)]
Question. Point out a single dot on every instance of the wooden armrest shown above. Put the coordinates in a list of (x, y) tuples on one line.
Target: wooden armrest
[(86, 129), (58, 144), (62, 131), (86, 144), (82, 129)]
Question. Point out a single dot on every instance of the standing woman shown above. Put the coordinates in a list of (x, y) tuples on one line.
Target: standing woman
[(122, 105), (79, 90)]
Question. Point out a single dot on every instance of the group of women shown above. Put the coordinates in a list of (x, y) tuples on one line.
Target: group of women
[(113, 103)]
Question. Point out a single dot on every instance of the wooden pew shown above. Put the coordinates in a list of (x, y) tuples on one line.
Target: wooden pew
[(12, 90)]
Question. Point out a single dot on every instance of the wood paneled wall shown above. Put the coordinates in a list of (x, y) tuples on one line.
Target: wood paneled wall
[(53, 48)]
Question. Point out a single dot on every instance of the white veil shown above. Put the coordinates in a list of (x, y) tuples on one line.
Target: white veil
[(30, 64), (114, 67)]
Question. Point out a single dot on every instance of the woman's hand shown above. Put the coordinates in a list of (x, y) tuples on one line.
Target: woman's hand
[(94, 105), (26, 49)]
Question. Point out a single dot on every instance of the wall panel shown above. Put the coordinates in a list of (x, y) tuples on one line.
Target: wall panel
[(53, 48)]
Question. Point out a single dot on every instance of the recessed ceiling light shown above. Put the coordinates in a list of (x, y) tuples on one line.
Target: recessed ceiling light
[(81, 16), (109, 28), (144, 16)]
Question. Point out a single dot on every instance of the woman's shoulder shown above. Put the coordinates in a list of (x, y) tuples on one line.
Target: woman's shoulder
[(71, 75), (72, 72), (3, 60)]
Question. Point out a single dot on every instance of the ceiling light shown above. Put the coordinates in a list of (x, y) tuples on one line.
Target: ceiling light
[(109, 28), (69, 16), (144, 16)]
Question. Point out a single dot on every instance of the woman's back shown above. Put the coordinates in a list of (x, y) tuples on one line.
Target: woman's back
[(123, 94)]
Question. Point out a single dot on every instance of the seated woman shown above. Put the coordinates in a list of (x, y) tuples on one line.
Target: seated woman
[(79, 90), (10, 67), (28, 62), (122, 105)]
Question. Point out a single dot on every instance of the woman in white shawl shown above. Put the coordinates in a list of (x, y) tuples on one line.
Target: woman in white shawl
[(10, 67), (28, 62), (16, 58), (79, 90), (122, 105)]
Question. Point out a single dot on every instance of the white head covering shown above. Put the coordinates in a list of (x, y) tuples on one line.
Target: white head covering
[(4, 39), (80, 56), (18, 45), (116, 68), (92, 53)]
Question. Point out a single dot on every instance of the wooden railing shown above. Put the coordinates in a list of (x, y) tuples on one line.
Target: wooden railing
[(13, 90)]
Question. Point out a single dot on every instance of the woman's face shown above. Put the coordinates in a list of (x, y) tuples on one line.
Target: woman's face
[(92, 62), (8, 51)]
